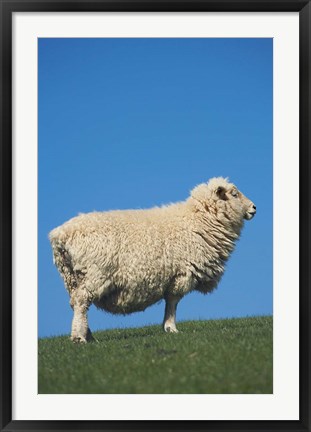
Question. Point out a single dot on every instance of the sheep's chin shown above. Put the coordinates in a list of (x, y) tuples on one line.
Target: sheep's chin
[(249, 215)]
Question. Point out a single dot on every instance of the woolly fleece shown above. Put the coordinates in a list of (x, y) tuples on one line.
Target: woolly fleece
[(125, 261)]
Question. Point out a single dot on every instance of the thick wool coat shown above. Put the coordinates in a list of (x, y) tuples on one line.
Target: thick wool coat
[(125, 261)]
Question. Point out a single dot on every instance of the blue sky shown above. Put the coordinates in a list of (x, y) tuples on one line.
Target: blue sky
[(134, 123)]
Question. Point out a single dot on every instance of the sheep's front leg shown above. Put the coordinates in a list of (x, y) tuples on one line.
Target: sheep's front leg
[(80, 331), (169, 323)]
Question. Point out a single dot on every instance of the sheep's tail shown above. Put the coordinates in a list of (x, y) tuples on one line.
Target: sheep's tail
[(63, 259)]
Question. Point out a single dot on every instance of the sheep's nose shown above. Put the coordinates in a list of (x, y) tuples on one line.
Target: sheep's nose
[(254, 207)]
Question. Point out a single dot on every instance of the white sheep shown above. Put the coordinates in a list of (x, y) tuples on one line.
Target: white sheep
[(125, 261)]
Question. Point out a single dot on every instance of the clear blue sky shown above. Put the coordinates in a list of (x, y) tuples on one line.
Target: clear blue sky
[(134, 123)]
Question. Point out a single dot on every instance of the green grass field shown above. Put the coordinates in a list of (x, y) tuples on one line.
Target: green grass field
[(218, 356)]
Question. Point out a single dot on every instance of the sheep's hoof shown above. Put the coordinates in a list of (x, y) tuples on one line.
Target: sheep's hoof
[(84, 339), (78, 339), (169, 329)]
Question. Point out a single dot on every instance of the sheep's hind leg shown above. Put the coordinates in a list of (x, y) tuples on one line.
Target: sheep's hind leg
[(169, 323), (80, 331)]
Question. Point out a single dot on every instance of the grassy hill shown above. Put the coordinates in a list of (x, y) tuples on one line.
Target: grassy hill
[(218, 356)]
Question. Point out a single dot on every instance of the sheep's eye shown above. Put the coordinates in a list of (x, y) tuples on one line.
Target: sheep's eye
[(234, 193)]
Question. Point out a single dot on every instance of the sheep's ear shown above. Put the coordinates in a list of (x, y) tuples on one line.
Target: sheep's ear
[(221, 192)]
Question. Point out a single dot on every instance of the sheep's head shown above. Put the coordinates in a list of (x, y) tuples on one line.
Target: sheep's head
[(224, 200)]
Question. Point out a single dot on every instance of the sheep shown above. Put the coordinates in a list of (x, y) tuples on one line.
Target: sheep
[(124, 261)]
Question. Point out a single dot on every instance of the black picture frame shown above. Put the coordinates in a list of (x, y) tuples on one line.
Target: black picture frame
[(7, 9)]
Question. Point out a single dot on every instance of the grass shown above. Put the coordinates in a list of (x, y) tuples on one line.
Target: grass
[(218, 356)]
